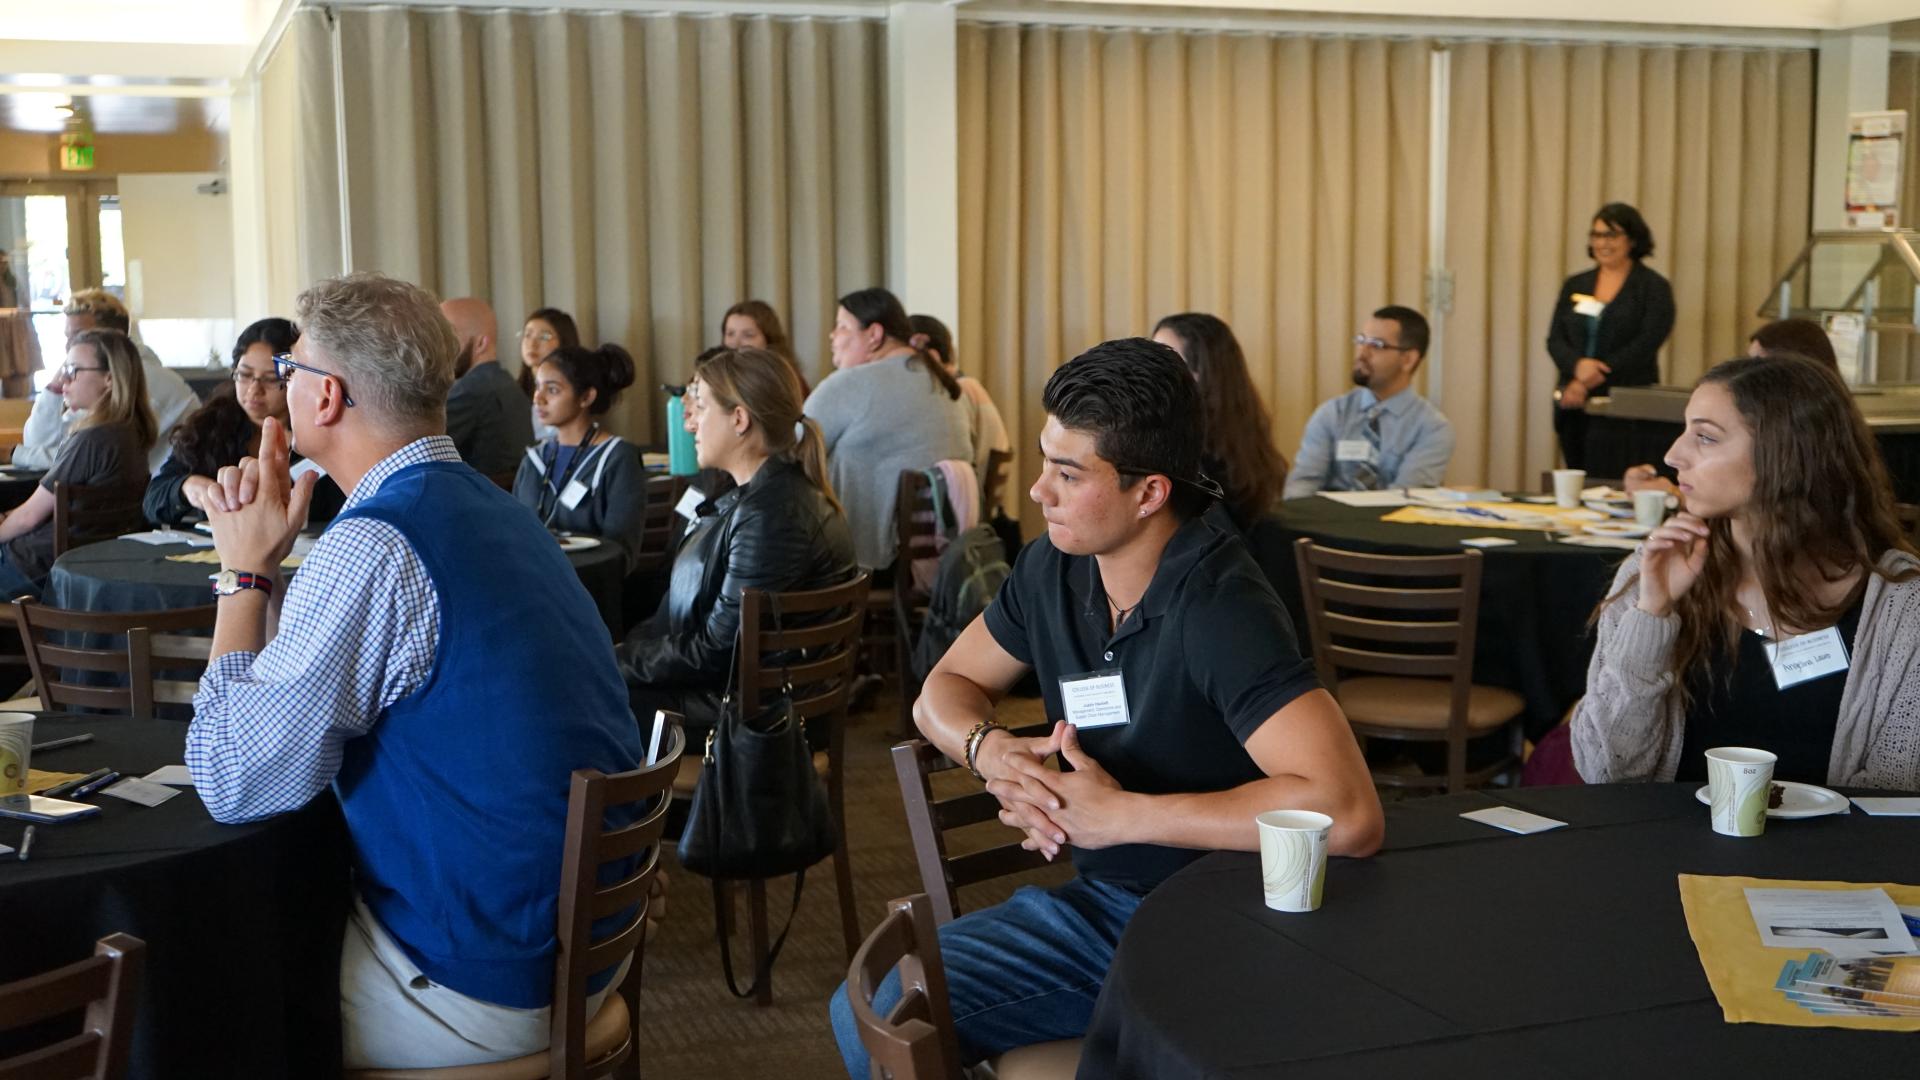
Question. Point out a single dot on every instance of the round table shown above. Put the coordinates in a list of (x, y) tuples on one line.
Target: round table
[(127, 575), (1535, 595), (1464, 950), (17, 485), (242, 923)]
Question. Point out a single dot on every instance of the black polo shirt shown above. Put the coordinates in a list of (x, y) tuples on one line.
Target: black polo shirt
[(1208, 656)]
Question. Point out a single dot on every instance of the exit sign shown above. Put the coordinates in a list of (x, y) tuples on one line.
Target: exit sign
[(76, 156)]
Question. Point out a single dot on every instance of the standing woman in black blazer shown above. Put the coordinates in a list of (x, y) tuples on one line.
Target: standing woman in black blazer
[(1608, 324)]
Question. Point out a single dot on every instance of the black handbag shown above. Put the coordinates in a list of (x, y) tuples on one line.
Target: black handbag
[(759, 810)]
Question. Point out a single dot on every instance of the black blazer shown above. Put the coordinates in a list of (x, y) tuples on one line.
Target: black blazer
[(1632, 328)]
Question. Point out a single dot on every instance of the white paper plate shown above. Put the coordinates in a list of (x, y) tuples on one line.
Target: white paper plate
[(1628, 530), (1797, 800), (569, 542)]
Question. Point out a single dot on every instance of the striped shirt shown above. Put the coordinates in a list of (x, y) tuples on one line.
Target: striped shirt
[(358, 630)]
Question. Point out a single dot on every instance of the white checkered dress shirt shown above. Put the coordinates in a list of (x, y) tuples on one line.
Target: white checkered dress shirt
[(358, 628)]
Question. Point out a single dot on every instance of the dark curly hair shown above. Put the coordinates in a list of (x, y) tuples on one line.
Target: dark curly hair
[(1621, 216), (216, 434), (1137, 400)]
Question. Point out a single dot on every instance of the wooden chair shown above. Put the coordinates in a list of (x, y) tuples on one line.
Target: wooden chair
[(87, 515), (916, 533), (929, 819), (503, 480), (828, 637), (162, 660), (916, 1040), (1421, 683), (104, 985), (600, 1045), (994, 484), (658, 530)]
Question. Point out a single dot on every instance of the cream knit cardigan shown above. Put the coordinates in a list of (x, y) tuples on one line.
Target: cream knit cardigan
[(1629, 727)]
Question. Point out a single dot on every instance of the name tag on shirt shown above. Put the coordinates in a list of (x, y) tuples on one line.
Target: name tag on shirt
[(1094, 701), (1353, 450), (689, 507), (1587, 305), (1808, 657), (571, 495)]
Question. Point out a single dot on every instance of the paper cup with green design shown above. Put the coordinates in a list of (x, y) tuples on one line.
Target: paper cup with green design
[(1293, 858), (1738, 778), (16, 750)]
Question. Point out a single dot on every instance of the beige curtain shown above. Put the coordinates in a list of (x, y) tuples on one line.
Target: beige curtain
[(1713, 145), (1903, 92), (1110, 177), (642, 172)]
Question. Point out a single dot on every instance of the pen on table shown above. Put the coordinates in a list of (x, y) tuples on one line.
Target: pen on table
[(71, 740), (96, 785), (60, 789), (26, 843)]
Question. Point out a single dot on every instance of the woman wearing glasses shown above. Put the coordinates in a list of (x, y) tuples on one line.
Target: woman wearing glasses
[(584, 479), (544, 331), (106, 454), (227, 428), (1608, 323)]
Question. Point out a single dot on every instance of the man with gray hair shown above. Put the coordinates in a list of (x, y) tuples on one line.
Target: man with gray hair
[(451, 756)]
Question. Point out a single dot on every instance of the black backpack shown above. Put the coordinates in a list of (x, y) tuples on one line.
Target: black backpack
[(969, 576)]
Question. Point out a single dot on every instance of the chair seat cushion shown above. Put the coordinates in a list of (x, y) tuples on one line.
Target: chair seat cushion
[(609, 1029), (1056, 1060), (1423, 704)]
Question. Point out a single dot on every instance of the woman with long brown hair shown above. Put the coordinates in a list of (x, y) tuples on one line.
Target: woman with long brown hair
[(1781, 610), (780, 530), (1239, 452)]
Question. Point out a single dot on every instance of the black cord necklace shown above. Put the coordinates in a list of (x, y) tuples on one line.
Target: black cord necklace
[(1120, 613)]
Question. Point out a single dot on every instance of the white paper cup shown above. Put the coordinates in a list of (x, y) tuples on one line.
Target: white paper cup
[(1737, 781), (1567, 486), (1293, 858), (16, 751), (1650, 507)]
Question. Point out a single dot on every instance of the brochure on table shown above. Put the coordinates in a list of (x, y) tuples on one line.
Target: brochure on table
[(1808, 953)]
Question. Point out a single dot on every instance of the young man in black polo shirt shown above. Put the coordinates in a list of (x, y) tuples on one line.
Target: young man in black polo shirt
[(1184, 705)]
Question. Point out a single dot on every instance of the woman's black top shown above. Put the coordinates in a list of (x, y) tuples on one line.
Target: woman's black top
[(1746, 708), (1628, 336)]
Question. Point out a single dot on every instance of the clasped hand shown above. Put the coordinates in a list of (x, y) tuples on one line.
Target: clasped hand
[(1053, 808), (1670, 562), (255, 508)]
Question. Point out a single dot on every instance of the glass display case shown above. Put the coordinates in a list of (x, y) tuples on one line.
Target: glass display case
[(1864, 288)]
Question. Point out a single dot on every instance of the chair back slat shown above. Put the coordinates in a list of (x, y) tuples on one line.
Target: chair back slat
[(831, 653), (1390, 663), (1388, 599), (657, 529), (87, 515), (929, 819), (588, 855), (1340, 625), (916, 1038), (49, 635), (959, 811), (104, 985)]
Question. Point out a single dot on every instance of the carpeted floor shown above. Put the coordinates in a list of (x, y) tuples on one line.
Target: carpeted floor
[(693, 1028)]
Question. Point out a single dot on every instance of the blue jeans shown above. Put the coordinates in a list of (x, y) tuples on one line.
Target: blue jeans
[(1024, 972), (14, 583)]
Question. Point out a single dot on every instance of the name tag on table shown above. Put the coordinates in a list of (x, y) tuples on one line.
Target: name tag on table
[(1514, 821), (139, 791), (1094, 701), (1353, 450), (689, 507), (1587, 305), (1808, 657)]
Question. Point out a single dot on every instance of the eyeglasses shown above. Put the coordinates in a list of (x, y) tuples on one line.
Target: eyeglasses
[(538, 337), (246, 379), (68, 371), (1610, 234), (1377, 344), (284, 363)]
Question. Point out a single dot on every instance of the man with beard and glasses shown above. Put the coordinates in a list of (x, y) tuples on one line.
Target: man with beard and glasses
[(1381, 435)]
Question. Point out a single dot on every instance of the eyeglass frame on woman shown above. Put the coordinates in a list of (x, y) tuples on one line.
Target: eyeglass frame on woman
[(1612, 234), (286, 360), (1379, 343), (68, 371), (248, 378)]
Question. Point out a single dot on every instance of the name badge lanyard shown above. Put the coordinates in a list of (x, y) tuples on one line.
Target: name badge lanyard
[(554, 488)]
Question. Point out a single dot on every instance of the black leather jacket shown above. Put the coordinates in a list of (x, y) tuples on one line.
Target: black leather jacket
[(778, 533)]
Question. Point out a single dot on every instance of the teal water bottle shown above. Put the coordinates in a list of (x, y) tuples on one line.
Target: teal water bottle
[(681, 458)]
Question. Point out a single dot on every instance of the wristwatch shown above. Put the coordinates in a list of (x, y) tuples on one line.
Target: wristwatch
[(228, 582)]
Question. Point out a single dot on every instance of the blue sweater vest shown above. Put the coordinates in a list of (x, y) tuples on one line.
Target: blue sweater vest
[(457, 798)]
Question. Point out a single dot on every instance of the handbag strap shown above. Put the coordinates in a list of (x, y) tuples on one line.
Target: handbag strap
[(726, 948)]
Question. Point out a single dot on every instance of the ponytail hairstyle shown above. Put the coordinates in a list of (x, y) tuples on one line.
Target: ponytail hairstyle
[(931, 335), (606, 370), (769, 389), (563, 328), (877, 305)]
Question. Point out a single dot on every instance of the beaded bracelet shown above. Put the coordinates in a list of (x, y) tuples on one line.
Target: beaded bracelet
[(974, 739)]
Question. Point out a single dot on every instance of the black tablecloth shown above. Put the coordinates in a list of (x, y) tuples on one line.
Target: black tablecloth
[(126, 575), (16, 486), (1535, 595), (1463, 950), (242, 922), (1614, 444)]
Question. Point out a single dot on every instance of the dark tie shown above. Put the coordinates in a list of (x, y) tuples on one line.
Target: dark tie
[(1366, 474)]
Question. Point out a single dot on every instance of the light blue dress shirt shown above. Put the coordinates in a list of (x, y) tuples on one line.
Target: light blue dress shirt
[(1415, 443)]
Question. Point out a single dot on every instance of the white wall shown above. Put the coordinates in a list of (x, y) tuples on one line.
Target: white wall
[(179, 246)]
